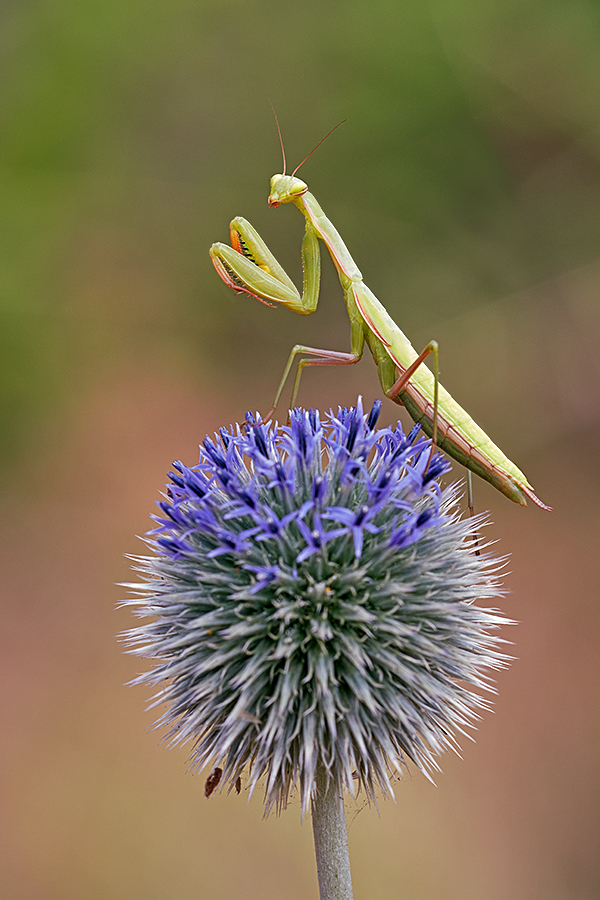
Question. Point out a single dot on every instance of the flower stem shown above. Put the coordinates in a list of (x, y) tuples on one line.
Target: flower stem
[(331, 841)]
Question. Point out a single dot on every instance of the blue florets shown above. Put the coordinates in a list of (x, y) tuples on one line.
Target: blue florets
[(313, 589), (267, 484)]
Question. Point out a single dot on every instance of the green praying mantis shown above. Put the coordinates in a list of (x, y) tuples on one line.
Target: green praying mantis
[(248, 266)]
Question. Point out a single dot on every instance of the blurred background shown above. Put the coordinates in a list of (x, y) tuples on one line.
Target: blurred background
[(466, 183)]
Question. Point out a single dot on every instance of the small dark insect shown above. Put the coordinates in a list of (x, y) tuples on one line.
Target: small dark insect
[(238, 784), (212, 781)]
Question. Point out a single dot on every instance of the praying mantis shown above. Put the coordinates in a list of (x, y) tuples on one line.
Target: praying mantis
[(248, 266)]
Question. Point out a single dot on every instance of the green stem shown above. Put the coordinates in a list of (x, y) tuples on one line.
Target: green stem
[(331, 841)]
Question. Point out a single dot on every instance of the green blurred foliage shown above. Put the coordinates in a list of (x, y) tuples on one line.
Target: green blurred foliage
[(133, 131)]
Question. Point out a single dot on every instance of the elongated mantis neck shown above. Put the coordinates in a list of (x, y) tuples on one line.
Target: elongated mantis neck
[(326, 230)]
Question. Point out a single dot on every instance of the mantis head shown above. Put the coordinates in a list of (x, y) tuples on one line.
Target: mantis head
[(286, 189)]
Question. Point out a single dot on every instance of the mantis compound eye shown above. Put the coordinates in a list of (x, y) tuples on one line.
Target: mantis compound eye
[(297, 187)]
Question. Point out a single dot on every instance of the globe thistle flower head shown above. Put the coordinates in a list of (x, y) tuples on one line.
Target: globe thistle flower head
[(312, 591)]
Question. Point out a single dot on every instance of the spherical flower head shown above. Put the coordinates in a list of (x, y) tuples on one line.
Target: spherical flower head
[(313, 592)]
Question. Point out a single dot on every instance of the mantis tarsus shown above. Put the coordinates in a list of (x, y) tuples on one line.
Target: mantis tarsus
[(249, 266)]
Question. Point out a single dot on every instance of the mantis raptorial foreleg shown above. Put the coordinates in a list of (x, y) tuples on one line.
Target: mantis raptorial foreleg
[(249, 266)]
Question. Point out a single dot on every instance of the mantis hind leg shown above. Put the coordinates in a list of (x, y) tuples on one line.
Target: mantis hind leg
[(402, 381), (472, 509), (394, 391)]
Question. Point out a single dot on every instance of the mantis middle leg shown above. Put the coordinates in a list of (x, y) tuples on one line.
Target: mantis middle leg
[(325, 358)]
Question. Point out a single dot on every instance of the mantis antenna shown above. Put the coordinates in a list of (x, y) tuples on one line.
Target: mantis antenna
[(318, 145), (279, 133), (313, 149)]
